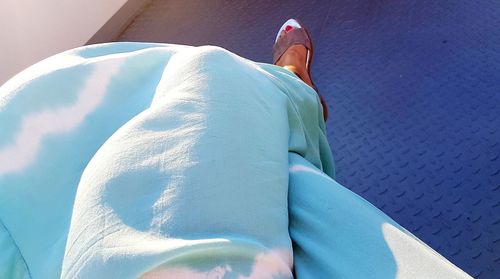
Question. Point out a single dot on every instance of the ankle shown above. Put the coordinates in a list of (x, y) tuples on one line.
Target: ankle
[(301, 73)]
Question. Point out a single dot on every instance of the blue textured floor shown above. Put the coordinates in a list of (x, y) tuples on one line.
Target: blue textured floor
[(414, 94)]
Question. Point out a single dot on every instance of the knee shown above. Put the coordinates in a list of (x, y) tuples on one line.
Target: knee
[(212, 51), (211, 56)]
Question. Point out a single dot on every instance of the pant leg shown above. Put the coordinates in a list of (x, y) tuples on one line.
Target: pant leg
[(194, 186), (337, 234)]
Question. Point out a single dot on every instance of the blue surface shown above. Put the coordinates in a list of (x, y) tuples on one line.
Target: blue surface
[(414, 94)]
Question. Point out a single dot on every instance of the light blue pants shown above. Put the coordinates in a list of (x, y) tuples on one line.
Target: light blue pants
[(131, 160)]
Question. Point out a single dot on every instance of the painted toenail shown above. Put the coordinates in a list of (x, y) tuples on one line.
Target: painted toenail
[(288, 28)]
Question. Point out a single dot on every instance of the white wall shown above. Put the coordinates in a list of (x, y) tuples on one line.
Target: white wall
[(31, 30)]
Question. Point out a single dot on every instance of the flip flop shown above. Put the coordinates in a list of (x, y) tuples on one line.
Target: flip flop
[(296, 34)]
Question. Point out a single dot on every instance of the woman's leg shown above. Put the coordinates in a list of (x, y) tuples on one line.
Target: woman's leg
[(194, 186), (337, 234)]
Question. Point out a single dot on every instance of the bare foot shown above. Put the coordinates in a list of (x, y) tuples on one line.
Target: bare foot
[(294, 59)]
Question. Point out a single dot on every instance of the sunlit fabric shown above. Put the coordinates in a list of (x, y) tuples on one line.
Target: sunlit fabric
[(129, 160)]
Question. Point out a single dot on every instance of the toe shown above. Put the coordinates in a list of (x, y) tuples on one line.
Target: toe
[(282, 34)]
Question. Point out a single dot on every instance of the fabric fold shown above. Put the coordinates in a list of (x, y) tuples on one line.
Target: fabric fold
[(132, 160)]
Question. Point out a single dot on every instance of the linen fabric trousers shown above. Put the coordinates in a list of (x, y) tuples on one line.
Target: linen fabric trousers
[(129, 160)]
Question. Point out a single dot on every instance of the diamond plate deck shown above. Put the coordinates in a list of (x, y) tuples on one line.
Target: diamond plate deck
[(414, 94)]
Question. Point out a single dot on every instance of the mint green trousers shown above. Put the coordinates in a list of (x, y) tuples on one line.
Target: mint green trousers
[(134, 160)]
